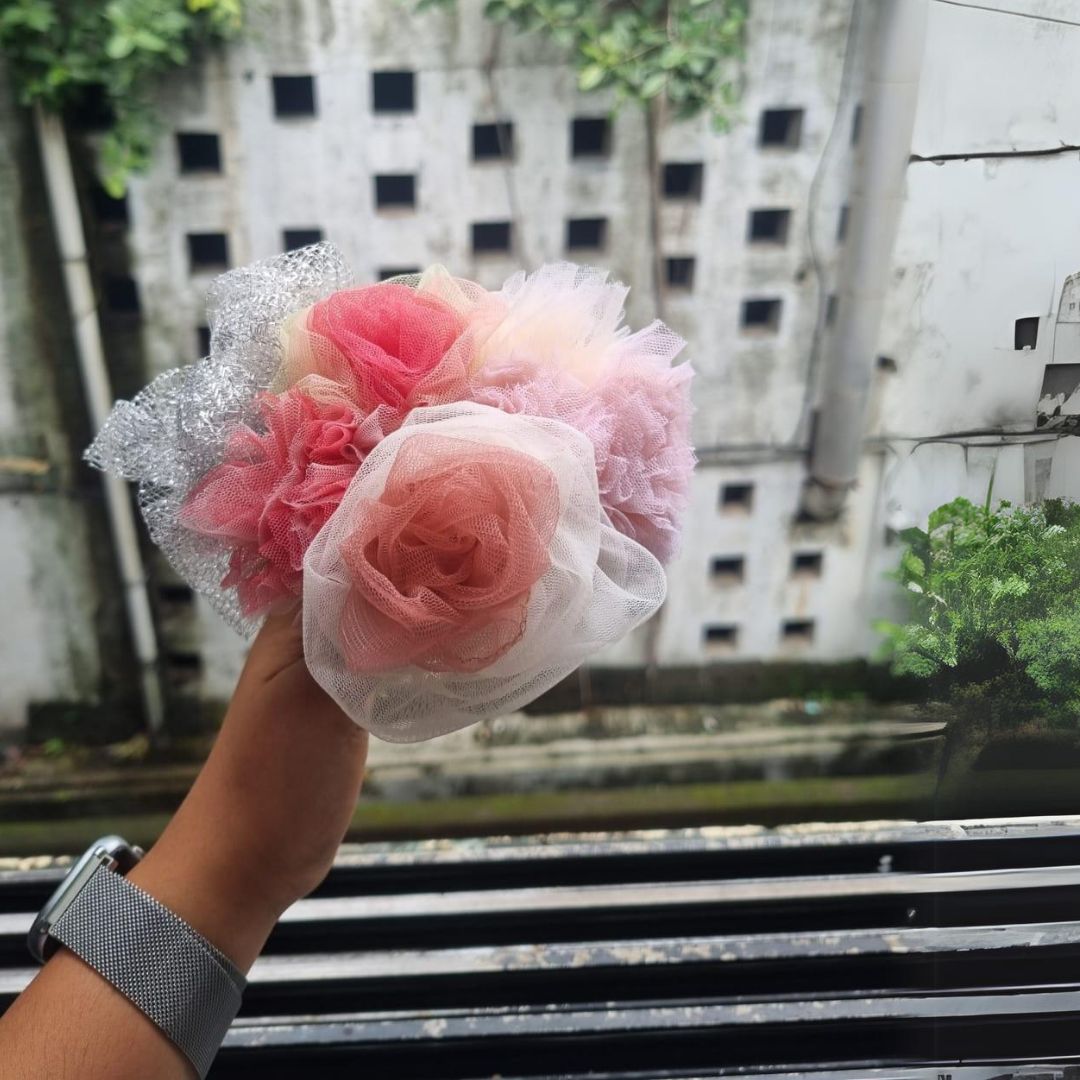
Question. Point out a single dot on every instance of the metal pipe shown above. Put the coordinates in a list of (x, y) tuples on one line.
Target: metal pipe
[(71, 242), (893, 67)]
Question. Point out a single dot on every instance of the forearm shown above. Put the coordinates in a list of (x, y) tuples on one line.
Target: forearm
[(257, 831), (71, 1023)]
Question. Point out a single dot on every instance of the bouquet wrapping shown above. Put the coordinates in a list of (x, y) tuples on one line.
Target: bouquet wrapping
[(466, 492)]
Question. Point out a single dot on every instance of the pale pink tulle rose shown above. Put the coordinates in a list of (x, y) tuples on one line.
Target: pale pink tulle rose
[(443, 562), (276, 488), (383, 344), (638, 421)]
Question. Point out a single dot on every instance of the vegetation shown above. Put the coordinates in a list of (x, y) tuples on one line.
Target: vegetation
[(59, 51), (994, 610), (642, 49)]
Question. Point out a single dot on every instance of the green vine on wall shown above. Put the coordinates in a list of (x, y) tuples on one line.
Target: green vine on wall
[(58, 50), (680, 51)]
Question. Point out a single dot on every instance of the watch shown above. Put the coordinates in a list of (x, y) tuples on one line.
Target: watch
[(165, 967)]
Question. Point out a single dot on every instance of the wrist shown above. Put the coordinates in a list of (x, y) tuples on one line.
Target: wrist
[(211, 892)]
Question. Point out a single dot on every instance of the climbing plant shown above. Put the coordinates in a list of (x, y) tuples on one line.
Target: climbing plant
[(678, 51), (59, 51)]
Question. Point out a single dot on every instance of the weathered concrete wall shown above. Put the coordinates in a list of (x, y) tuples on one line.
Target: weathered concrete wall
[(988, 236), (58, 641)]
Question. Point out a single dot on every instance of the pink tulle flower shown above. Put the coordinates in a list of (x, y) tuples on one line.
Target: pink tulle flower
[(277, 488), (384, 345), (443, 562), (638, 421)]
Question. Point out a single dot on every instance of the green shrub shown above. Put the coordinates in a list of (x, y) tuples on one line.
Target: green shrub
[(994, 598)]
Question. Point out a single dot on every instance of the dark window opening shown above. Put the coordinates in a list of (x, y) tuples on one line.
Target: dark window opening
[(679, 272), (208, 251), (590, 136), (1026, 332), (90, 110), (493, 142), (387, 272), (831, 306), (203, 335), (121, 295), (586, 233), (683, 179), (491, 236), (761, 315), (106, 209), (807, 563), (887, 364), (198, 151), (797, 631), (737, 498), (393, 91), (769, 226), (292, 239), (856, 125), (726, 634), (728, 569), (294, 95), (781, 128), (842, 224), (183, 666), (395, 190), (177, 594)]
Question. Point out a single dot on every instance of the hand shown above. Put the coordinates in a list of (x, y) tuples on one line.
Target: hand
[(262, 822), (257, 831)]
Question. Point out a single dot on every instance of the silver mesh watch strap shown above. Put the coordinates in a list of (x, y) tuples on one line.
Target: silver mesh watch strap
[(161, 964)]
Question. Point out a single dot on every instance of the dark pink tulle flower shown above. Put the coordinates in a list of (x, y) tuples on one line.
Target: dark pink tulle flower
[(276, 488), (383, 344)]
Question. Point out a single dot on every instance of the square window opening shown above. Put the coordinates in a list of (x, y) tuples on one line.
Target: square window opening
[(294, 95), (122, 295), (586, 233), (395, 191), (490, 236), (679, 272), (493, 142), (199, 151), (1026, 332), (107, 210), (721, 636), (727, 569), (393, 91), (737, 498), (291, 239), (781, 128), (761, 316), (807, 564), (683, 180), (797, 631), (208, 251), (590, 136), (769, 227)]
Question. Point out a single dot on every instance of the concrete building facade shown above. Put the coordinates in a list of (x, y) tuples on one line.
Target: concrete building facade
[(407, 139)]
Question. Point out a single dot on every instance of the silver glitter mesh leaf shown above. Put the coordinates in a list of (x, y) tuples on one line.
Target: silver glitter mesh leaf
[(172, 432)]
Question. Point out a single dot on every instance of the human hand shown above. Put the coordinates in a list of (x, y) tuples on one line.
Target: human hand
[(260, 826)]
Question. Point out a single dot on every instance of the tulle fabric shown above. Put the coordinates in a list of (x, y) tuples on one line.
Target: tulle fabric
[(597, 584), (471, 492), (278, 486), (442, 562)]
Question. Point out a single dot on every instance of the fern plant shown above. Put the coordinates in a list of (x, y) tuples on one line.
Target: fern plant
[(994, 610)]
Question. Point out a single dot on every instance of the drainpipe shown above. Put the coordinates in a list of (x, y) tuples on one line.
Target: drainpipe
[(71, 242), (891, 94)]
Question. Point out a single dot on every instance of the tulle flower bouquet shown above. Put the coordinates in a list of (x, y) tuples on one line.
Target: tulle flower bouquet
[(466, 492)]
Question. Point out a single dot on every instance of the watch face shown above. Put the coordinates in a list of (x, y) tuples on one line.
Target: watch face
[(110, 852)]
